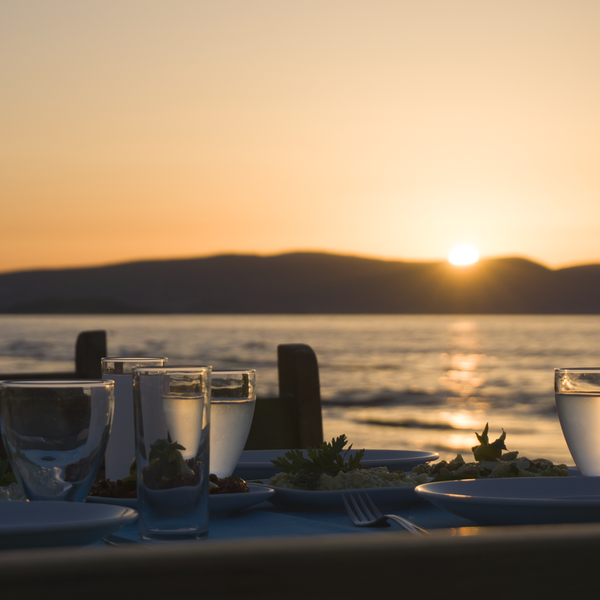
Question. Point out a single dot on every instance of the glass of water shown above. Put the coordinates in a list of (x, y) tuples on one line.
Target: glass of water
[(55, 433), (120, 450), (577, 394), (233, 396), (172, 426)]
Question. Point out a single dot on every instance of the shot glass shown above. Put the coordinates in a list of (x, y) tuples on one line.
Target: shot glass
[(233, 396), (120, 450), (172, 426), (577, 394), (55, 434)]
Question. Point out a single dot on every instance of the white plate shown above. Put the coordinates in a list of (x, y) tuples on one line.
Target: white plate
[(256, 464), (519, 500), (385, 498), (46, 523), (219, 505)]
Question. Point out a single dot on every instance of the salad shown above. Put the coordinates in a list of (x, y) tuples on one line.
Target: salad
[(166, 469), (491, 463), (331, 467)]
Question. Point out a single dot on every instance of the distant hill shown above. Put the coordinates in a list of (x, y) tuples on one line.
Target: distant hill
[(305, 283)]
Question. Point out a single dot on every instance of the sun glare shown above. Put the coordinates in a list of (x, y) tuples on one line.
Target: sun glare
[(463, 255)]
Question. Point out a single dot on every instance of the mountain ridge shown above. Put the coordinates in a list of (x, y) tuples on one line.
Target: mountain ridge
[(304, 283)]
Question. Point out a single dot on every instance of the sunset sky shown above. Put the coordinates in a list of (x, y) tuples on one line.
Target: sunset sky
[(139, 129)]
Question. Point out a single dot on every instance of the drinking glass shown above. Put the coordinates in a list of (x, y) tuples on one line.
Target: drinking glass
[(55, 433), (233, 396), (577, 394), (120, 450), (172, 425)]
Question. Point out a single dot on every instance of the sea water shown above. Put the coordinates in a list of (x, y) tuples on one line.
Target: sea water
[(387, 381)]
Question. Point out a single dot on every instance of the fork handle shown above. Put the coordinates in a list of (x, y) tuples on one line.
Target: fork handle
[(408, 525)]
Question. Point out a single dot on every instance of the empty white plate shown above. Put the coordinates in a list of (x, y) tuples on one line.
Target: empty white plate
[(519, 500), (47, 523)]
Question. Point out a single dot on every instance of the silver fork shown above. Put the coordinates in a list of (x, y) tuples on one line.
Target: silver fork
[(117, 540), (363, 513)]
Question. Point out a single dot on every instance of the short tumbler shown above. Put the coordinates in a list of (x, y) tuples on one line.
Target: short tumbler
[(172, 425), (55, 433), (577, 393)]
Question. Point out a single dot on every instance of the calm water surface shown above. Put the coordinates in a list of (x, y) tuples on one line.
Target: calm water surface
[(400, 381)]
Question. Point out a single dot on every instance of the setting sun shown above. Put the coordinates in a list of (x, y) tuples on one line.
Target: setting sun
[(463, 255)]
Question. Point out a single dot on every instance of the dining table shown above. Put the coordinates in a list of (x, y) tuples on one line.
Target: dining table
[(268, 551)]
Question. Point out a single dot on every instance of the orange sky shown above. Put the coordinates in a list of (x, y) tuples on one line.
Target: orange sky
[(390, 128)]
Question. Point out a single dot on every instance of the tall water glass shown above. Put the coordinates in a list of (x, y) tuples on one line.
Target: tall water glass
[(577, 394), (120, 450), (172, 427), (233, 396), (55, 433)]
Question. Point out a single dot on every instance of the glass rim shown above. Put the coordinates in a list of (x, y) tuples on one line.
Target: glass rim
[(131, 358), (235, 371), (577, 370), (180, 369), (69, 383)]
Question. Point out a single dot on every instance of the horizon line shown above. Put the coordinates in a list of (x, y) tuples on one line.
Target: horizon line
[(286, 252)]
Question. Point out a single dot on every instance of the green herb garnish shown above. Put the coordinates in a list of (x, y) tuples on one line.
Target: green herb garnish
[(166, 461), (6, 477), (328, 458), (487, 451)]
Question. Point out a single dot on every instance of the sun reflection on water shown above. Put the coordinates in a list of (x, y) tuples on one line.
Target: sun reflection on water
[(461, 420), (462, 376)]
